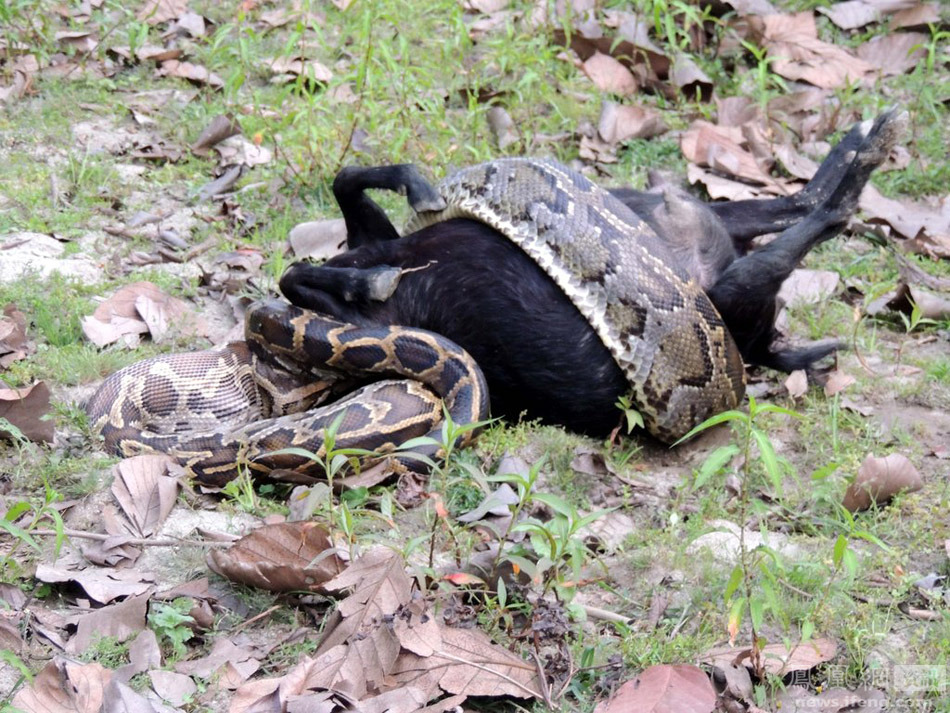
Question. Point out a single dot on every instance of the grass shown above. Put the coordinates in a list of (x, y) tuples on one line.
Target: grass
[(391, 58)]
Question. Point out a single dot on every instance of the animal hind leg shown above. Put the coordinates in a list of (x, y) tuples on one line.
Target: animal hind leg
[(745, 294), (747, 219), (366, 222)]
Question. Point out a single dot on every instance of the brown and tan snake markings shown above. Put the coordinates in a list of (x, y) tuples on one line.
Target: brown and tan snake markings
[(219, 410)]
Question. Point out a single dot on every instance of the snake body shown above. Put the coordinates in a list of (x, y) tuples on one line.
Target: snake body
[(219, 410), (664, 333), (222, 409)]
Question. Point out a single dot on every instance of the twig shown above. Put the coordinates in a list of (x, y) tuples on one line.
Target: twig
[(136, 541), (543, 681), (245, 624), (604, 614)]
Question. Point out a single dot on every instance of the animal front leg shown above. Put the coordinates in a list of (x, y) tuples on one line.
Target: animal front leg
[(366, 222)]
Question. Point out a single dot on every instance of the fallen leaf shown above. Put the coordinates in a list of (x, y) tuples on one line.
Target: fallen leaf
[(609, 75), (27, 410), (139, 308), (837, 382), (378, 586), (880, 479), (227, 662), (144, 491), (221, 127), (663, 689), (120, 621), (620, 122), (319, 239), (797, 53), (286, 67), (467, 662), (894, 53), (286, 557), (851, 14), (797, 383), (910, 219), (194, 73), (692, 81), (174, 688), (918, 16), (65, 687), (777, 659), (155, 12), (720, 148), (102, 584), (719, 187), (804, 287)]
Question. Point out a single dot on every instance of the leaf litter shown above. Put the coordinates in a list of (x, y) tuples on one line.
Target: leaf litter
[(387, 638)]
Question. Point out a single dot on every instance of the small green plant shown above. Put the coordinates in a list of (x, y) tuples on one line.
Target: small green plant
[(241, 491), (171, 623), (554, 555), (35, 514)]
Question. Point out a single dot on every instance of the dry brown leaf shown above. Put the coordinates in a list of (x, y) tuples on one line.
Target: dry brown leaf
[(287, 557), (100, 584), (379, 585), (911, 219), (804, 287), (736, 111), (144, 491), (719, 187), (227, 663), (720, 148), (27, 409), (138, 308), (918, 16), (664, 689), (65, 687), (880, 479), (797, 383), (620, 122), (777, 659), (593, 150), (175, 688), (837, 382), (792, 41), (851, 14), (795, 163), (194, 73), (77, 40), (155, 12), (319, 239), (221, 127), (895, 53), (609, 75), (121, 621), (295, 66), (692, 81), (468, 662)]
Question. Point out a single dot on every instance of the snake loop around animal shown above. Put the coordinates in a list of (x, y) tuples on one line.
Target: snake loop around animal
[(662, 330), (247, 403)]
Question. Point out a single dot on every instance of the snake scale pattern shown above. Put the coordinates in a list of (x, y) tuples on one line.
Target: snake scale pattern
[(682, 364), (220, 410)]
